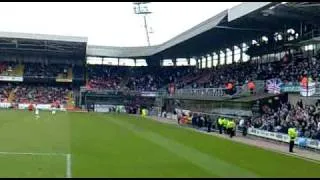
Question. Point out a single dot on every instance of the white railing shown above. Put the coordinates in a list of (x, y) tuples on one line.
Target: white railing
[(215, 92)]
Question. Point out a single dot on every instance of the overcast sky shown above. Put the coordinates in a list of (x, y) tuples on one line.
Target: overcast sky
[(107, 23)]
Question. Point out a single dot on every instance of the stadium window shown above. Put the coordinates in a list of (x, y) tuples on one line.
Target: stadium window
[(193, 62), (237, 54), (182, 62), (256, 58), (110, 61), (291, 34), (222, 57), (291, 31), (264, 39), (209, 60), (94, 60), (229, 56), (141, 62), (199, 63), (245, 57), (277, 36), (254, 42), (309, 47), (167, 62), (126, 62), (203, 61), (214, 59)]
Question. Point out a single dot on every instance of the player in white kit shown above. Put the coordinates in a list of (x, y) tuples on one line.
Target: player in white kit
[(54, 110), (37, 112)]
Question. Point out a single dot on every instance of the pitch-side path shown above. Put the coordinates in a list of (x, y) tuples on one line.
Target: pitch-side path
[(270, 145)]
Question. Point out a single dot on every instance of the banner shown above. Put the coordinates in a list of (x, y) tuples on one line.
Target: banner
[(311, 143), (11, 78), (102, 108), (274, 85), (290, 88), (308, 90), (5, 105), (106, 108), (148, 94), (63, 80), (40, 106)]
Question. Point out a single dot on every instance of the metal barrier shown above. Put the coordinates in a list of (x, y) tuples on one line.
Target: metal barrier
[(215, 92), (241, 91)]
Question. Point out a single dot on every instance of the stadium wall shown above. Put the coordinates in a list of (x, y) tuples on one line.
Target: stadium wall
[(293, 98)]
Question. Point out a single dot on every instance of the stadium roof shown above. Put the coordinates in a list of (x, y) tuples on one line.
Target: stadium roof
[(16, 35), (11, 42), (242, 23), (234, 13), (145, 51), (246, 22), (124, 52)]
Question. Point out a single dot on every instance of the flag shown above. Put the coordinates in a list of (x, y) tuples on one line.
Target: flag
[(274, 85), (308, 90)]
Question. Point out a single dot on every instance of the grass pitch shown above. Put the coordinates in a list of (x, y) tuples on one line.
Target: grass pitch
[(111, 145)]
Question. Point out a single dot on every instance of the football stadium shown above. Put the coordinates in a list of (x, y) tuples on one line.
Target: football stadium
[(235, 96)]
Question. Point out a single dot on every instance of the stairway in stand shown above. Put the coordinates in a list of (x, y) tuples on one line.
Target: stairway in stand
[(12, 95), (70, 101)]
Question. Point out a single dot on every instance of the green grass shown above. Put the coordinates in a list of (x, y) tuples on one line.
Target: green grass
[(110, 145)]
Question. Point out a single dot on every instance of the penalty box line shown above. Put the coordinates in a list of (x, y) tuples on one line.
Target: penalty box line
[(67, 156)]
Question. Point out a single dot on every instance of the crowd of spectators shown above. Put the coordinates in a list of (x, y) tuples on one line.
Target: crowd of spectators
[(152, 79), (305, 118), (290, 69), (105, 77), (6, 68), (135, 78), (5, 90), (40, 94), (45, 70), (293, 71), (78, 72), (3, 67)]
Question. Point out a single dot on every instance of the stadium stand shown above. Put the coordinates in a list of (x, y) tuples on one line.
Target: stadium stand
[(138, 78), (5, 90), (40, 94), (105, 77), (11, 69), (43, 70), (142, 78), (306, 118)]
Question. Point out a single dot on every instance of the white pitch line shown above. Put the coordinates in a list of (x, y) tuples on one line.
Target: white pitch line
[(34, 153), (68, 158), (69, 166)]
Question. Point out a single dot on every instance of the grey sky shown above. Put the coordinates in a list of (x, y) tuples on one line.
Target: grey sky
[(107, 23)]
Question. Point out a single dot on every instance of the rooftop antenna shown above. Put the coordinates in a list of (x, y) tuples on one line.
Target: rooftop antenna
[(141, 8)]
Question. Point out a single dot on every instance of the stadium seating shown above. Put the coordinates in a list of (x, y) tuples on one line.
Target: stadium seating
[(78, 72), (11, 69), (134, 78), (304, 117), (40, 94), (5, 90), (105, 77), (43, 70), (3, 67)]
